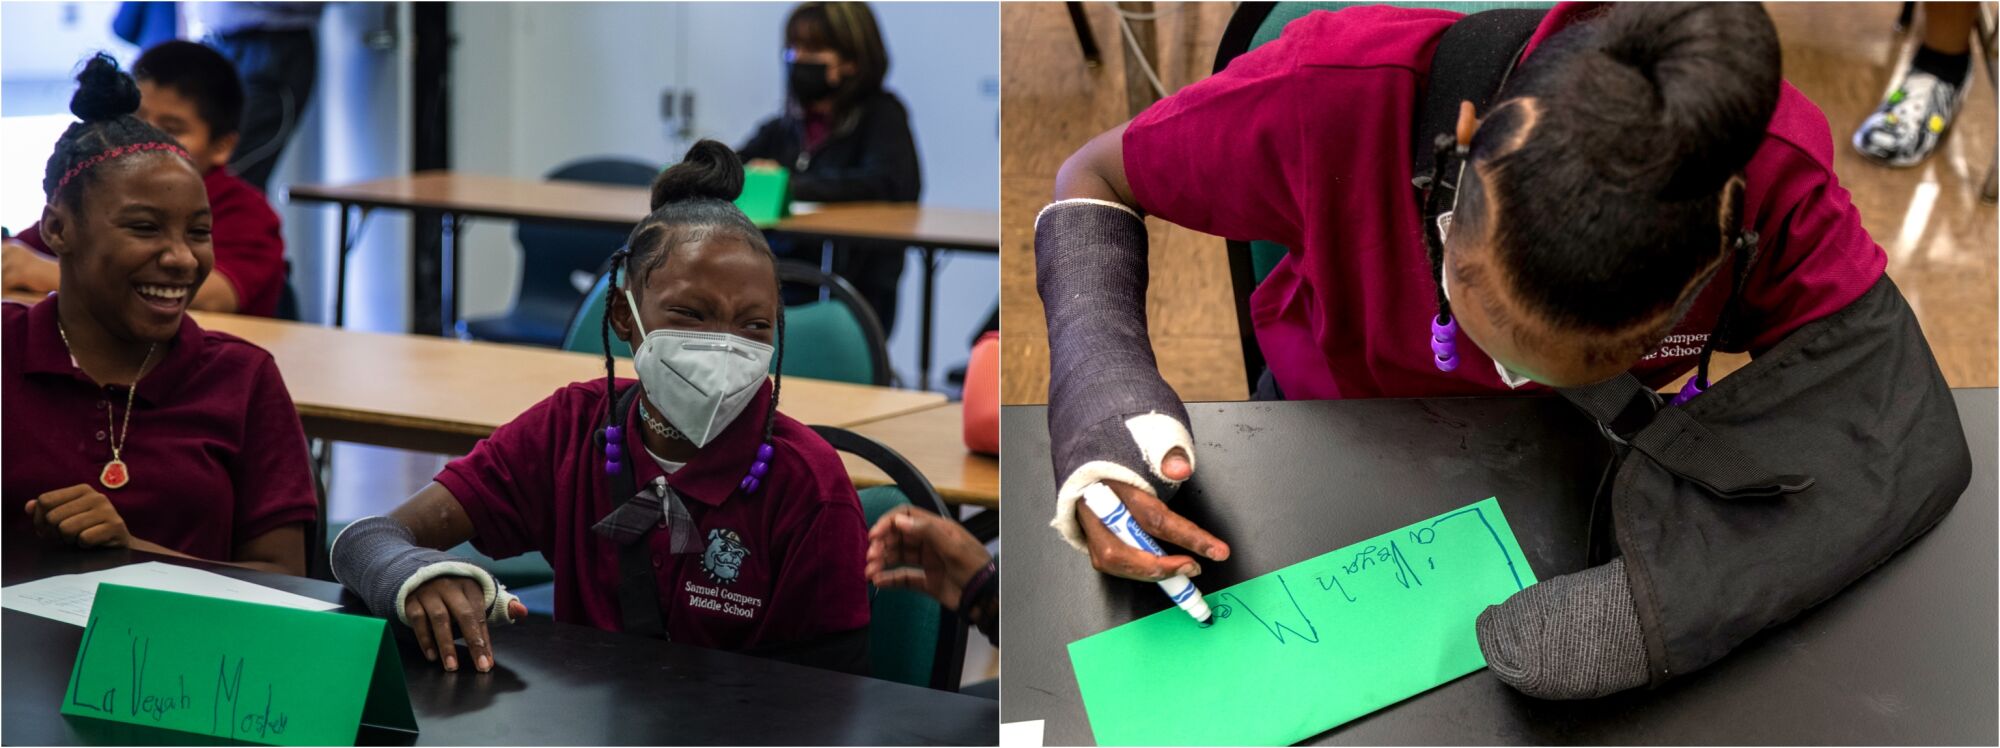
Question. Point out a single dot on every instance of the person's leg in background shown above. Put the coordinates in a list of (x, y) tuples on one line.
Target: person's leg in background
[(1911, 122), (876, 272), (279, 69)]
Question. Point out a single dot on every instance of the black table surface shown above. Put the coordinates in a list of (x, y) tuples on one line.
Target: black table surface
[(554, 684), (1904, 656)]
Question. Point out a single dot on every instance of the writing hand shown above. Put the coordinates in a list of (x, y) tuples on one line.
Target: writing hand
[(1111, 556), (80, 516), (915, 549), (432, 609)]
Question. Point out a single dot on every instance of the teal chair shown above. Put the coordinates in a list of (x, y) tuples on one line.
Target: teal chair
[(837, 338), (1250, 27), (911, 638)]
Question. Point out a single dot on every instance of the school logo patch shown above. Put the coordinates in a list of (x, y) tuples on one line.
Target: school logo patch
[(723, 560)]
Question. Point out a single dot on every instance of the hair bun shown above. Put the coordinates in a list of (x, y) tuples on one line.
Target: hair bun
[(103, 92), (709, 171), (1716, 68)]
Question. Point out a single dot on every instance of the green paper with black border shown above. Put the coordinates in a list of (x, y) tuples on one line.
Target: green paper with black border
[(1309, 647), (235, 670)]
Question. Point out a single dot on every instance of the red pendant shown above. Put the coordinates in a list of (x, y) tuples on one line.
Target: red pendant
[(114, 475)]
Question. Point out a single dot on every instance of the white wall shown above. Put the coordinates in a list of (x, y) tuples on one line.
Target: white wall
[(541, 84)]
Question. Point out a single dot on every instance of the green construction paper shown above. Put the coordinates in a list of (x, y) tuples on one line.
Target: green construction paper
[(766, 196), (235, 670), (1309, 647)]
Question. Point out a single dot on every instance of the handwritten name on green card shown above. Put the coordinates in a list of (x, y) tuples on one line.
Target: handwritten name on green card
[(1311, 646), (235, 670)]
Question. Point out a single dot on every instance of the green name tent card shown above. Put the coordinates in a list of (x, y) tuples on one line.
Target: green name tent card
[(236, 670), (1303, 649), (766, 196)]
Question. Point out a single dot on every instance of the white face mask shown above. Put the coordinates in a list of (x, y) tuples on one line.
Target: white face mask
[(1507, 376), (701, 381)]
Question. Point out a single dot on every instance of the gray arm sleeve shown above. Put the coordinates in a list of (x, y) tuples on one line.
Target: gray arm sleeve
[(1111, 415), (379, 559)]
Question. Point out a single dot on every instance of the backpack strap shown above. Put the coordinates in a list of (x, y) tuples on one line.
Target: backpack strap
[(1630, 414), (1470, 63)]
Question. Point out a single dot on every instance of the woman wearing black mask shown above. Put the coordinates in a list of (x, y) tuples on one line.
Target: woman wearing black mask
[(843, 137)]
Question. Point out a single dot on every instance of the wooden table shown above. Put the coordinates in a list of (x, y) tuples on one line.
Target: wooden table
[(457, 196), (933, 441), (435, 395), (553, 684)]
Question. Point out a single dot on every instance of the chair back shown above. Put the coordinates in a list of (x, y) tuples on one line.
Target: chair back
[(911, 638)]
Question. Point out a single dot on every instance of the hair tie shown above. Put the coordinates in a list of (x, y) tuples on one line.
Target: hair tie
[(122, 150)]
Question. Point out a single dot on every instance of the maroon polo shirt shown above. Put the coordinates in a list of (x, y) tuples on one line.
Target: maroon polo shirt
[(249, 242), (783, 564), (215, 450), (1305, 141)]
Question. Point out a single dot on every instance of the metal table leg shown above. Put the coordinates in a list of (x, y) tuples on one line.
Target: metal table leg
[(348, 238), (924, 329)]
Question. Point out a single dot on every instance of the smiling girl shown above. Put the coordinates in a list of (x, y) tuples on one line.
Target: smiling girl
[(127, 424)]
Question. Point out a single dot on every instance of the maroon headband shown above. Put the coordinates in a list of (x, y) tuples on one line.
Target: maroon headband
[(116, 152)]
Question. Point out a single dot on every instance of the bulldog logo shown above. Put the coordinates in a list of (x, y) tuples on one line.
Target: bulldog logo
[(724, 558)]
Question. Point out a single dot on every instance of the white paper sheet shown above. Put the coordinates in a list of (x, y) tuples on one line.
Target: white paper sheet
[(1021, 734), (67, 598)]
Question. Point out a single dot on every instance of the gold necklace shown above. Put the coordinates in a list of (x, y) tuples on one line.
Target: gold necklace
[(115, 474)]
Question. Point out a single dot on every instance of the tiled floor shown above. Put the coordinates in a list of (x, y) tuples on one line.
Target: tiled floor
[(1940, 238)]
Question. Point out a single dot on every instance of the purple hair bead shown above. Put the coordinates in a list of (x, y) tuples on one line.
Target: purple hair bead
[(1688, 391), (764, 452), (613, 452), (1444, 342), (614, 434), (610, 467), (749, 484), (758, 469), (1444, 329)]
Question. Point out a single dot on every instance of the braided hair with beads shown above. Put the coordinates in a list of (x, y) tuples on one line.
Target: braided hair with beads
[(692, 201)]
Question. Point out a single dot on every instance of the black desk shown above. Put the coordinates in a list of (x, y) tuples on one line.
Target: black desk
[(1906, 655), (555, 684)]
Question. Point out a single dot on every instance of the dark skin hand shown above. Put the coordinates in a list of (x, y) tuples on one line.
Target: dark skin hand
[(914, 549), (144, 224), (1097, 171), (438, 606), (722, 284)]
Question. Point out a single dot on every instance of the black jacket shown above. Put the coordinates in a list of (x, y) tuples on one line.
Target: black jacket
[(1782, 484), (869, 156)]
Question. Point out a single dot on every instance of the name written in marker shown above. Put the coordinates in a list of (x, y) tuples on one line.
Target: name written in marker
[(1289, 622), (158, 696)]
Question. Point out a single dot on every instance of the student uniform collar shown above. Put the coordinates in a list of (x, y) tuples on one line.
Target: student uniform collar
[(46, 354), (711, 476)]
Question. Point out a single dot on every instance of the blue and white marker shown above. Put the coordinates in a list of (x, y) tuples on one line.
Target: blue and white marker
[(1112, 512)]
